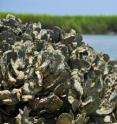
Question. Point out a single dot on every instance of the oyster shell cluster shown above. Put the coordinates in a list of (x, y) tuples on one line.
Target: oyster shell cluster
[(48, 76)]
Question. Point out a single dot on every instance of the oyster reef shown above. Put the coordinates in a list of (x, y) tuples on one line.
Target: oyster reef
[(49, 76)]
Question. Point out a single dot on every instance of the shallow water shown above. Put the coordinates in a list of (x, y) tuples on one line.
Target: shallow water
[(103, 43)]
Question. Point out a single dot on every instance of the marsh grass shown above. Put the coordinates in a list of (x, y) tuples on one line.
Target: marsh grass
[(83, 24)]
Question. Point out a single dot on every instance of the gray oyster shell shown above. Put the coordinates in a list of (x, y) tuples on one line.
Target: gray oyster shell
[(49, 76)]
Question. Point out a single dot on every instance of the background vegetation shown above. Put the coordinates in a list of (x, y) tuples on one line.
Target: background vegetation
[(83, 24)]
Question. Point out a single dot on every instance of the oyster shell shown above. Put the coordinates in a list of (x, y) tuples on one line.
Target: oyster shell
[(50, 76), (65, 118)]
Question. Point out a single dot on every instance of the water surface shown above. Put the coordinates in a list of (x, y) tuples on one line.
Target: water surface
[(103, 43)]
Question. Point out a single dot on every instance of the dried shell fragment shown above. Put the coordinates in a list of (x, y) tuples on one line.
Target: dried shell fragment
[(104, 111)]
